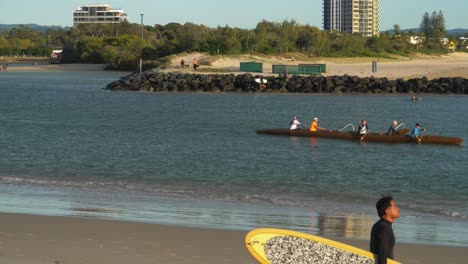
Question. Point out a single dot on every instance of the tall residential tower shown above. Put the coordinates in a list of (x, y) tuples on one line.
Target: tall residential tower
[(352, 16)]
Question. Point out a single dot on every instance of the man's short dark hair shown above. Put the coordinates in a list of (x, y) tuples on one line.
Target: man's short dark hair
[(383, 204)]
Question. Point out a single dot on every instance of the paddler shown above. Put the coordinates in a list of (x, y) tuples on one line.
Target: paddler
[(314, 126), (392, 130), (416, 132), (294, 124), (363, 129)]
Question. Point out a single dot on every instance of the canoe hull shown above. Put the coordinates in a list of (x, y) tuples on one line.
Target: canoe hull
[(372, 137)]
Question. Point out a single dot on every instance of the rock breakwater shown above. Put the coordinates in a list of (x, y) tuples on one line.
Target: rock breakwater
[(155, 81)]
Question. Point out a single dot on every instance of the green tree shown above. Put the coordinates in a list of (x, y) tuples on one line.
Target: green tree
[(438, 25), (312, 41), (426, 26), (266, 37), (247, 39), (287, 36)]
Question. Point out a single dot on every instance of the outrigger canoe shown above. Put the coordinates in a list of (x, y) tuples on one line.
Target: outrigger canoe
[(371, 137)]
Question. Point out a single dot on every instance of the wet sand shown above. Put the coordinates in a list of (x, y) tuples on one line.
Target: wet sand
[(34, 239)]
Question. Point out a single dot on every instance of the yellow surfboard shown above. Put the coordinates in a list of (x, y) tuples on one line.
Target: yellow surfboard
[(270, 245)]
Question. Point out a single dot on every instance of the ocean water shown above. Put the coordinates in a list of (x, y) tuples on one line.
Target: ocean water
[(69, 147)]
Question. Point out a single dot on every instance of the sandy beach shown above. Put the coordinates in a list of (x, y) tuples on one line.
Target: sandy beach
[(34, 239), (451, 65)]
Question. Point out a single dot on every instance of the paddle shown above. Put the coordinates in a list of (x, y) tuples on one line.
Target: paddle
[(364, 136), (422, 135)]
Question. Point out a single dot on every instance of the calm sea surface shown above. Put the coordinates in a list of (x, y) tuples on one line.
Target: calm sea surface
[(68, 147)]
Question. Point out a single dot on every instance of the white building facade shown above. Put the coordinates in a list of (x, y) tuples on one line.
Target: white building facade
[(98, 14), (352, 16)]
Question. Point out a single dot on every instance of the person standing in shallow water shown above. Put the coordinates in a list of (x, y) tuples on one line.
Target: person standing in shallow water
[(383, 240)]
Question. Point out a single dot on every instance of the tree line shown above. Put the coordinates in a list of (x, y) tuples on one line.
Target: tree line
[(121, 46)]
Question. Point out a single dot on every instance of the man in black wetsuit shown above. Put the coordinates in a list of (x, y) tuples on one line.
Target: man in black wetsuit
[(382, 237)]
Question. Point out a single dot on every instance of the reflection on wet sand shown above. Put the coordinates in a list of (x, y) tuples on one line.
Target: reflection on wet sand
[(349, 226)]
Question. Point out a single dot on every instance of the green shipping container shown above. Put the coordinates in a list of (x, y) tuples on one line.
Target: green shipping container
[(251, 67), (313, 67), (305, 69)]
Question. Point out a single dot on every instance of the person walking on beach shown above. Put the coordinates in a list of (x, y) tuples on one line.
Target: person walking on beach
[(382, 239), (195, 64), (363, 129)]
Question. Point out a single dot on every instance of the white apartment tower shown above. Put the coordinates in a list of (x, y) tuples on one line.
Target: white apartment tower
[(352, 16), (92, 14)]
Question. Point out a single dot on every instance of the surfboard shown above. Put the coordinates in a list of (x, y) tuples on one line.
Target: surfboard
[(271, 246), (258, 80)]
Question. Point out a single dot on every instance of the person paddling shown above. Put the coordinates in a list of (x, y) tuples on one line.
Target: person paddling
[(314, 126), (392, 130), (416, 132), (294, 124), (363, 129)]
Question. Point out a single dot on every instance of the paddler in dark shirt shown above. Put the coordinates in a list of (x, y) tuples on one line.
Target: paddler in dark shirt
[(392, 130), (382, 237), (363, 129)]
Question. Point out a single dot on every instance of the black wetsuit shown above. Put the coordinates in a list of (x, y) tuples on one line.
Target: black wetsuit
[(382, 241), (392, 131)]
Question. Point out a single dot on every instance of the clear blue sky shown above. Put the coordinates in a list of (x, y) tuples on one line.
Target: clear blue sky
[(235, 13)]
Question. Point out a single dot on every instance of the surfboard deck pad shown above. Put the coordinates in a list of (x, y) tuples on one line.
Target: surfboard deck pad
[(294, 250), (282, 246)]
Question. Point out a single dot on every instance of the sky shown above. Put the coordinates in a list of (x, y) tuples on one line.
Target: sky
[(234, 13)]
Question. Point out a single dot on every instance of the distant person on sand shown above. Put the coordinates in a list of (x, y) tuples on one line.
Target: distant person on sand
[(363, 129), (416, 132), (314, 126), (182, 64), (392, 130), (382, 239), (195, 64), (294, 124)]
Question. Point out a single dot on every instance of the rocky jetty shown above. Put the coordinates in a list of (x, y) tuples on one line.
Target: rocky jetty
[(155, 81)]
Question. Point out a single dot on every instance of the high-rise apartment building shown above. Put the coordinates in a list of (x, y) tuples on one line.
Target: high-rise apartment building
[(98, 14), (352, 16), (332, 15)]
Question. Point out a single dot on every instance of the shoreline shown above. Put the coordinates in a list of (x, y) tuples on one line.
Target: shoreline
[(54, 67), (48, 239), (432, 67)]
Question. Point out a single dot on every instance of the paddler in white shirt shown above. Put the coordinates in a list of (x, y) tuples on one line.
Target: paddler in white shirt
[(294, 124)]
